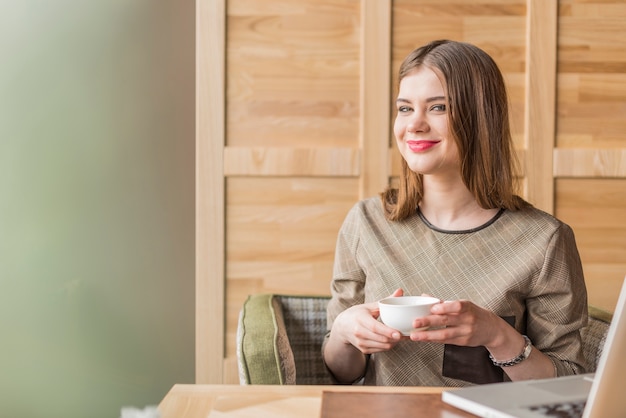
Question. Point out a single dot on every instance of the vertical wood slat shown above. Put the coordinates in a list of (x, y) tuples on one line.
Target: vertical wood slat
[(210, 134), (540, 103), (375, 95)]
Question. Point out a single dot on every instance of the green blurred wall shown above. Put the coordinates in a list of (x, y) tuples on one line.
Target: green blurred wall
[(96, 204)]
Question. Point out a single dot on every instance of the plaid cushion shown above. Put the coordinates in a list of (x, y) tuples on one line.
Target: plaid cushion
[(594, 336), (305, 321)]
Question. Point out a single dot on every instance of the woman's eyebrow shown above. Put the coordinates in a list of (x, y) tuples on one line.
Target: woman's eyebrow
[(429, 100), (436, 99)]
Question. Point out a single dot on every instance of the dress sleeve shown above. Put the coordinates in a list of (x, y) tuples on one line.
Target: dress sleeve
[(557, 306), (348, 283)]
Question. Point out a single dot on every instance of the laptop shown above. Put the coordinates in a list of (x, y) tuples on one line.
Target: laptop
[(599, 395)]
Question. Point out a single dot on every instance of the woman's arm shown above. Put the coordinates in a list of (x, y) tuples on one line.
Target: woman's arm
[(355, 333)]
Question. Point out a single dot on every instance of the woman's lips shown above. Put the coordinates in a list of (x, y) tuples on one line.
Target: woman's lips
[(422, 145)]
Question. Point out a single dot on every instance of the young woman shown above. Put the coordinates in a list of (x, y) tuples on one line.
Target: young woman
[(510, 274)]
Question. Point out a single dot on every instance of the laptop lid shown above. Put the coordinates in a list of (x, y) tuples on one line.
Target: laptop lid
[(606, 398), (603, 393)]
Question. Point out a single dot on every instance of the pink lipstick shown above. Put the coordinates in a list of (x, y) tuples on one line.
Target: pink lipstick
[(422, 145)]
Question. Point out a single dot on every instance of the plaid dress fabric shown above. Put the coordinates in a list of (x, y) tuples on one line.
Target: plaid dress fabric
[(522, 265)]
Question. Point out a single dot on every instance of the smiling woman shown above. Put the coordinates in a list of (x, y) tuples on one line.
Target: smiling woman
[(454, 229), (456, 111)]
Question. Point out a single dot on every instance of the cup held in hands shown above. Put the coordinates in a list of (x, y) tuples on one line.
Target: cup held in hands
[(399, 312)]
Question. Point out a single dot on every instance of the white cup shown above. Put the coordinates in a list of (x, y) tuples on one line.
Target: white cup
[(400, 312)]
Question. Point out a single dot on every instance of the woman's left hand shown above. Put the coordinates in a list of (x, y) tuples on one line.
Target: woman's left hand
[(463, 323)]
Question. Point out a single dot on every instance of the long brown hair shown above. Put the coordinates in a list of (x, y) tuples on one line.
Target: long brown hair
[(478, 120)]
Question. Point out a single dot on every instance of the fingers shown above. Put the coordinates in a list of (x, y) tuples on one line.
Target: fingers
[(377, 331), (434, 321), (359, 327), (445, 335), (450, 307), (397, 293), (458, 322), (376, 338)]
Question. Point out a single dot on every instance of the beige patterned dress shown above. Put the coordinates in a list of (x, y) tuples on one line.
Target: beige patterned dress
[(522, 265)]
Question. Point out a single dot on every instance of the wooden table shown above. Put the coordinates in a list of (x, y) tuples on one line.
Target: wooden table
[(235, 401)]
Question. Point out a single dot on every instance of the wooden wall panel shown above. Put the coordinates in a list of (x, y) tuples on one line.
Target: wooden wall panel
[(590, 157), (293, 73), (596, 210), (283, 161), (592, 74), (595, 162), (294, 151), (281, 236), (210, 81), (540, 105), (375, 105)]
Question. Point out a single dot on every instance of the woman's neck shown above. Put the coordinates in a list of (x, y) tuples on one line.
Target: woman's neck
[(451, 206)]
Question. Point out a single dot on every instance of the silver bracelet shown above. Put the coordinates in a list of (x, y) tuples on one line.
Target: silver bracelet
[(528, 347)]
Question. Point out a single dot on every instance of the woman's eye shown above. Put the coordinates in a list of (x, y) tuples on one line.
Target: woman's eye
[(439, 108), (404, 109)]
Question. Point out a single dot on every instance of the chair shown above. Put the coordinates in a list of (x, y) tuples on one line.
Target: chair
[(279, 340), (594, 336)]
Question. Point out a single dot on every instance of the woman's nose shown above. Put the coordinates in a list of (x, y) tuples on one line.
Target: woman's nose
[(417, 123)]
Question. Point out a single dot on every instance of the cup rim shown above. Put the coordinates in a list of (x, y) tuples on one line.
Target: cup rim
[(423, 300)]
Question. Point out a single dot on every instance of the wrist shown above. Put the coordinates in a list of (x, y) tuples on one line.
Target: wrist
[(512, 361)]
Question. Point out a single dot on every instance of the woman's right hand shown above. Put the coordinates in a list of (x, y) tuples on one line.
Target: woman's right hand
[(355, 333), (359, 327)]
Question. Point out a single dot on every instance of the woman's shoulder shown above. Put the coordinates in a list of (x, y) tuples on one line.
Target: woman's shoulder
[(368, 206), (531, 216), (368, 210)]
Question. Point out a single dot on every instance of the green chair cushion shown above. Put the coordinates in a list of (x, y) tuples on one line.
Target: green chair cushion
[(265, 357)]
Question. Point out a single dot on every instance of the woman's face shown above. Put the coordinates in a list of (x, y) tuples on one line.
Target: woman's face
[(421, 125)]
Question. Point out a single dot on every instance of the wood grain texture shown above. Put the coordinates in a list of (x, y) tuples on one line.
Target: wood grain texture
[(294, 155), (590, 158), (583, 162), (376, 405), (202, 401), (293, 73), (592, 74), (375, 93), (210, 251), (596, 210), (281, 239), (540, 102), (274, 161)]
